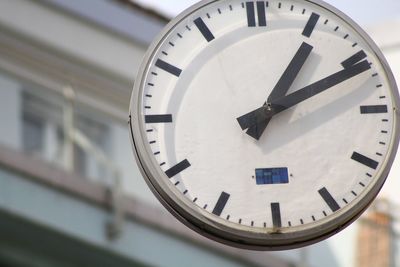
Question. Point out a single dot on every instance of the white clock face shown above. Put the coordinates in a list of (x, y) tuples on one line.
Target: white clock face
[(265, 117)]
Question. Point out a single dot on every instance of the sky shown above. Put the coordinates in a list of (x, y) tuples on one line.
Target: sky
[(364, 12)]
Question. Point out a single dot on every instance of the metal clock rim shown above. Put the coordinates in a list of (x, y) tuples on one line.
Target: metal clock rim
[(220, 232)]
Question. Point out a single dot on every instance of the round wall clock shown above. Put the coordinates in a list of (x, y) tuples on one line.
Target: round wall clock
[(264, 124)]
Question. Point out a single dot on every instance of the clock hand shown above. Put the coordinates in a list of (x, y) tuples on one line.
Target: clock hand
[(283, 85), (267, 112)]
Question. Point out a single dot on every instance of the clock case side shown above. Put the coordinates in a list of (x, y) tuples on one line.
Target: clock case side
[(218, 232)]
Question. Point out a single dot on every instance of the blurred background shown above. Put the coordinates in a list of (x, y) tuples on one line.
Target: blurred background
[(70, 191)]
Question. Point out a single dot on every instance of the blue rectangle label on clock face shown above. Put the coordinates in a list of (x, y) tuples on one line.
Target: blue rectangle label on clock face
[(272, 176)]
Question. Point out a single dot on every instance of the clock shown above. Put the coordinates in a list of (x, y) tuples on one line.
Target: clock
[(264, 125)]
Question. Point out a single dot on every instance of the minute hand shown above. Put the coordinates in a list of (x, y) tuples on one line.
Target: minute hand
[(286, 102)]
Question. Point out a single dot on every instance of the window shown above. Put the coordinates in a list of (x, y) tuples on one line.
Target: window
[(43, 133)]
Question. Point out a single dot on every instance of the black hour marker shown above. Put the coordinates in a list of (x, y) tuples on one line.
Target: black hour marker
[(312, 22), (184, 164), (168, 67), (262, 20), (373, 109), (205, 31), (219, 207), (354, 59), (365, 160), (327, 197), (251, 17), (276, 215), (251, 14), (163, 118)]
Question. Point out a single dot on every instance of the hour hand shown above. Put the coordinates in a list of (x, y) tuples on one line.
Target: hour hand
[(260, 115), (283, 85)]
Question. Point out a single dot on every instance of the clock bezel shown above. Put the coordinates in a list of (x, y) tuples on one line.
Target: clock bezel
[(194, 218)]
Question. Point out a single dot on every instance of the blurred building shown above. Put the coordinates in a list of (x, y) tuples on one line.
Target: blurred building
[(70, 191)]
